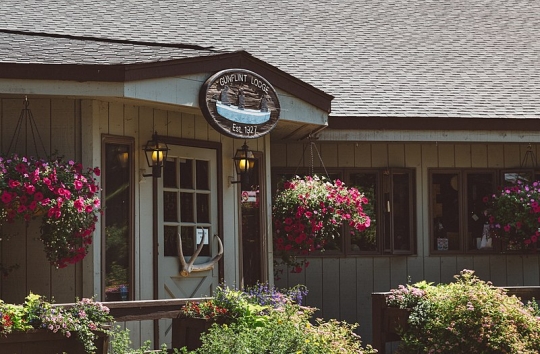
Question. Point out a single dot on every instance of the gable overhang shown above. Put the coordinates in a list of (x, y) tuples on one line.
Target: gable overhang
[(170, 84)]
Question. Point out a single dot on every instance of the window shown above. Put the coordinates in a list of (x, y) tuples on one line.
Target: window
[(457, 207), (117, 200), (391, 209)]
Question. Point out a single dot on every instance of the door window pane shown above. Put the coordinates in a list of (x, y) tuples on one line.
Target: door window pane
[(170, 206), (170, 246), (188, 240), (186, 173), (203, 178), (186, 207), (169, 174), (203, 208)]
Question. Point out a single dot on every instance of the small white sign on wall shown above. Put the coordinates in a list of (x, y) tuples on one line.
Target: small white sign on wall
[(200, 234)]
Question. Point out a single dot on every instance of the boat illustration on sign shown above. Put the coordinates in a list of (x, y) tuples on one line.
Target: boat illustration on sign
[(239, 113)]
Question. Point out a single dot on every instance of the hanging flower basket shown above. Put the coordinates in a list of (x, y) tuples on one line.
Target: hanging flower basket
[(514, 214), (60, 193), (309, 212)]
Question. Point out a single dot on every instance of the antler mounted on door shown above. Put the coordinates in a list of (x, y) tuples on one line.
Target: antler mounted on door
[(187, 268)]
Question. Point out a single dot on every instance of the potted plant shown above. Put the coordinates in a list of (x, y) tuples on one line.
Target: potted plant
[(267, 320), (249, 306), (308, 212), (61, 193), (39, 326), (514, 215)]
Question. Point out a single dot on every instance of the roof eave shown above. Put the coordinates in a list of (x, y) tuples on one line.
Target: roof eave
[(170, 68)]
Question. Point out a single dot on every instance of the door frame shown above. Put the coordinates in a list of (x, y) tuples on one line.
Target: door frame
[(263, 227), (155, 217)]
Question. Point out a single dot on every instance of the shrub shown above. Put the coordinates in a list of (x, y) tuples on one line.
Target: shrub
[(83, 319), (270, 321), (469, 315)]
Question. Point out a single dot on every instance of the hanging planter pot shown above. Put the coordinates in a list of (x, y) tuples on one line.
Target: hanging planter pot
[(309, 212), (59, 192)]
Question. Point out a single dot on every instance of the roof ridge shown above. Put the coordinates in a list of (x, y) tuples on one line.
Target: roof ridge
[(110, 40)]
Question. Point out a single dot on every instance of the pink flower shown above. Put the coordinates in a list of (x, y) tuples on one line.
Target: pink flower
[(30, 188), (6, 197), (78, 185), (21, 168), (79, 204)]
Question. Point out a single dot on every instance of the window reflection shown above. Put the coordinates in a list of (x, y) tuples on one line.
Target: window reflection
[(445, 211), (366, 240), (401, 204), (117, 201)]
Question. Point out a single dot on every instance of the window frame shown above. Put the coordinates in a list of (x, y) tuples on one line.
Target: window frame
[(344, 174), (498, 179)]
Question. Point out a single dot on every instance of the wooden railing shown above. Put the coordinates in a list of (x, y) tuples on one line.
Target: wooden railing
[(143, 310), (385, 321)]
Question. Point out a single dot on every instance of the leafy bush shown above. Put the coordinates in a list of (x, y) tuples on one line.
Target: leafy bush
[(82, 319), (467, 316), (121, 344), (266, 320)]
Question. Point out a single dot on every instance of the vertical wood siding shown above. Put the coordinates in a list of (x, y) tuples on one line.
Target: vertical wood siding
[(62, 129), (58, 124), (341, 287)]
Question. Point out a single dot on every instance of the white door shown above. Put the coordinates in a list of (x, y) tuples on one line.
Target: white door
[(187, 205)]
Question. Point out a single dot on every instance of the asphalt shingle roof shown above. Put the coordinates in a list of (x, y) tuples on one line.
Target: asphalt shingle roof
[(400, 58)]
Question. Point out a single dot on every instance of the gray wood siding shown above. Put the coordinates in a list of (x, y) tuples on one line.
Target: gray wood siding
[(341, 287), (59, 124)]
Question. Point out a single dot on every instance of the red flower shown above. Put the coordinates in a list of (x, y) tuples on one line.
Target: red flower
[(21, 168), (6, 197)]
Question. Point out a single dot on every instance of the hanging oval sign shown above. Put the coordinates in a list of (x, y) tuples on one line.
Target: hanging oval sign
[(239, 103)]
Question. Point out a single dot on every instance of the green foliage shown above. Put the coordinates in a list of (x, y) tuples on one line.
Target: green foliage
[(268, 321), (82, 319), (61, 193), (121, 344), (117, 250), (308, 214), (286, 331), (469, 316), (514, 213)]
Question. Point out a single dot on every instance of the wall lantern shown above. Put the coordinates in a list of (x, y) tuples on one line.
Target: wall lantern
[(156, 153), (244, 161)]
